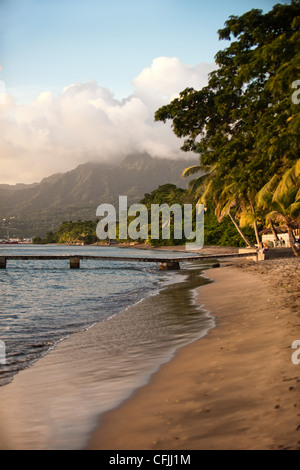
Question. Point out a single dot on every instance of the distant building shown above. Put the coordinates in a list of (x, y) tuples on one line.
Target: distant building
[(282, 232)]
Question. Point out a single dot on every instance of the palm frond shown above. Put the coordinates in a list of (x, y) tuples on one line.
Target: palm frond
[(297, 168), (247, 218), (196, 183), (294, 210), (207, 194), (192, 170), (223, 207), (275, 216), (265, 196), (287, 188)]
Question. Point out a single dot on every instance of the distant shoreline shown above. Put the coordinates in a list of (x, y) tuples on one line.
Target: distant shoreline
[(143, 246)]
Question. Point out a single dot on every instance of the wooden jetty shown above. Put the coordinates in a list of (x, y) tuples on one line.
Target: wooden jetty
[(164, 263)]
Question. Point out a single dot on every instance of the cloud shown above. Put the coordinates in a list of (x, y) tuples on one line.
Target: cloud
[(87, 123), (168, 76)]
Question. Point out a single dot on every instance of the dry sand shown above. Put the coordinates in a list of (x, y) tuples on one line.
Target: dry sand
[(237, 388)]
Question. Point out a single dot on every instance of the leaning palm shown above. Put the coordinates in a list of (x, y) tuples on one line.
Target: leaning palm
[(228, 198), (208, 187)]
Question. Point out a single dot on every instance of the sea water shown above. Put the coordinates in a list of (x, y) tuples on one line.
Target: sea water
[(132, 318)]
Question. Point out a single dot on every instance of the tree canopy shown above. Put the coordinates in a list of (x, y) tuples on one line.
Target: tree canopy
[(244, 124)]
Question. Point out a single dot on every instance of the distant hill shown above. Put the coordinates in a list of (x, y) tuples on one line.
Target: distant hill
[(32, 210)]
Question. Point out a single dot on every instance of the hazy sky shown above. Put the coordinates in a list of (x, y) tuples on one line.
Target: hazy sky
[(84, 78)]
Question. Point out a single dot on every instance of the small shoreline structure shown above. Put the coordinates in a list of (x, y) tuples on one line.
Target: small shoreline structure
[(164, 263), (279, 236)]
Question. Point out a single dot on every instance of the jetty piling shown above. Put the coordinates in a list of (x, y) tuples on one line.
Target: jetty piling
[(74, 262), (169, 266)]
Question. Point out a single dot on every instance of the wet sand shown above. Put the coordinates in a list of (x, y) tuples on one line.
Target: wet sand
[(237, 388), (56, 403)]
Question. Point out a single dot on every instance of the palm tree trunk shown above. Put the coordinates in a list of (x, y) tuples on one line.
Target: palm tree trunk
[(292, 241), (259, 243), (257, 235), (240, 231), (274, 231)]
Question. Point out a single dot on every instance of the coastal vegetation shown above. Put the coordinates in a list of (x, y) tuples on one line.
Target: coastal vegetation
[(216, 232), (245, 123), (80, 232), (244, 126)]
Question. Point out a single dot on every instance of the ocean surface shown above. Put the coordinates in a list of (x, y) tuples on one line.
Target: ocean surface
[(139, 317)]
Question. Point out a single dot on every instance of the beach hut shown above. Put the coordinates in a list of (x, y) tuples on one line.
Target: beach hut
[(282, 232)]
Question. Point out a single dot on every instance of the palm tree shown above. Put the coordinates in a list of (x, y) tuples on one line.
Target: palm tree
[(282, 195), (225, 195), (231, 197)]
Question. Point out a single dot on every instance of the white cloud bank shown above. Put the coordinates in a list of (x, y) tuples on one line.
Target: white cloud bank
[(86, 123)]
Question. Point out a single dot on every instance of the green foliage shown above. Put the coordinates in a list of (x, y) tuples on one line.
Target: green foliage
[(223, 233), (38, 241), (50, 237), (216, 233), (282, 195), (80, 232), (244, 124), (166, 194)]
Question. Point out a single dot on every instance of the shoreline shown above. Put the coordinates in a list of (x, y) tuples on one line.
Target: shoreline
[(189, 403), (61, 389), (236, 388)]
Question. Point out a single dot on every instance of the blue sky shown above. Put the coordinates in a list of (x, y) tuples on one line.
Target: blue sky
[(49, 44), (84, 78)]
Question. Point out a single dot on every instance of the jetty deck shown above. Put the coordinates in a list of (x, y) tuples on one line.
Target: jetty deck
[(165, 263)]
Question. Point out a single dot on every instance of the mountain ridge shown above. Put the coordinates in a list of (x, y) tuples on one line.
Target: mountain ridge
[(31, 210)]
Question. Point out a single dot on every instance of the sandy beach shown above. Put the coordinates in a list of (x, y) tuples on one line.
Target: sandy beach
[(237, 388)]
